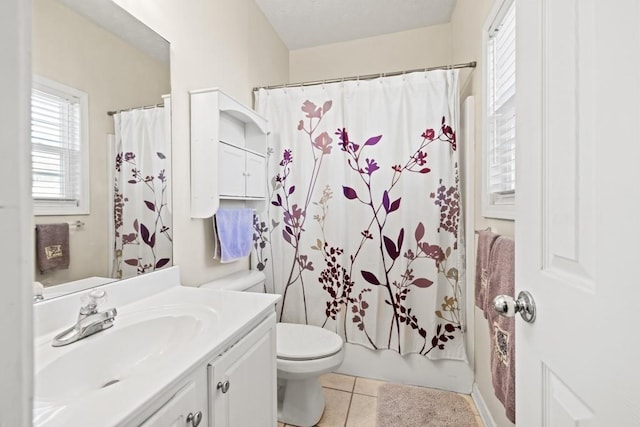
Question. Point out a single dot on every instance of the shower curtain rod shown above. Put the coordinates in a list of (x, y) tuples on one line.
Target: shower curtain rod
[(111, 113), (471, 64)]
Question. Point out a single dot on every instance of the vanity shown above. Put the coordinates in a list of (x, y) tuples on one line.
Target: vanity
[(175, 356)]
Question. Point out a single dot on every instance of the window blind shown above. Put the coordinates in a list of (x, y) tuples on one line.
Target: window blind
[(501, 110), (56, 148)]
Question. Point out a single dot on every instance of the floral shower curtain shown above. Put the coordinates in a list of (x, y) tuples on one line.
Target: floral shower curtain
[(141, 199), (363, 233)]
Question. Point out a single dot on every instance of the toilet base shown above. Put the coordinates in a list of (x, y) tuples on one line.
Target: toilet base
[(300, 401)]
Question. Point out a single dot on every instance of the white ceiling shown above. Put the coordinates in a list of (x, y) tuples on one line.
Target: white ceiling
[(108, 15), (308, 23)]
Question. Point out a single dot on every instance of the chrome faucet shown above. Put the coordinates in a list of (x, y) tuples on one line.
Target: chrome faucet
[(89, 320)]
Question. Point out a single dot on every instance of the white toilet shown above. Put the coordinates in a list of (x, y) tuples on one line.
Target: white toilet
[(304, 353)]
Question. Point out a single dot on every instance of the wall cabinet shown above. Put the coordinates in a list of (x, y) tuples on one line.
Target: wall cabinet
[(242, 381), (241, 173), (228, 152)]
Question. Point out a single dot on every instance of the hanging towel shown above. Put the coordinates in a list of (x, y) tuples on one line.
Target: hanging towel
[(502, 329), (486, 238), (52, 246), (234, 232)]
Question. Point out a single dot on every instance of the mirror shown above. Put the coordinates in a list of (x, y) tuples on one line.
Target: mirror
[(98, 48)]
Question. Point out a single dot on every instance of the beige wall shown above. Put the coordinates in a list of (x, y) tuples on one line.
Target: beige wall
[(227, 44), (406, 50), (467, 22), (72, 50)]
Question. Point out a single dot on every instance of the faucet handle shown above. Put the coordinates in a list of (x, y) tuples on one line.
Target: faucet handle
[(91, 300)]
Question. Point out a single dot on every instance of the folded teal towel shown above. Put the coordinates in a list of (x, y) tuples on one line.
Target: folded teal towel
[(234, 230)]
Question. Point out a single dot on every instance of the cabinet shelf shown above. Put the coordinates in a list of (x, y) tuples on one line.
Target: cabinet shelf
[(228, 152)]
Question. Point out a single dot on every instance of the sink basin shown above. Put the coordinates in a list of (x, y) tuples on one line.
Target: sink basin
[(162, 335), (140, 343)]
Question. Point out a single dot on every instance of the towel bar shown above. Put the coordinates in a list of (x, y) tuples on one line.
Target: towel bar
[(75, 224)]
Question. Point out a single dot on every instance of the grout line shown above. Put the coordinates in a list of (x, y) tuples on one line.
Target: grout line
[(338, 389), (364, 394), (348, 409)]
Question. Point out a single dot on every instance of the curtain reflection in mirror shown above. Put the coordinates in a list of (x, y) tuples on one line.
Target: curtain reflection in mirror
[(140, 162)]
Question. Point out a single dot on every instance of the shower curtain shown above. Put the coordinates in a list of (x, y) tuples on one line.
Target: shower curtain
[(363, 234), (141, 201)]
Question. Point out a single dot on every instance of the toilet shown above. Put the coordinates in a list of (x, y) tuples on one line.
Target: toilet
[(304, 352)]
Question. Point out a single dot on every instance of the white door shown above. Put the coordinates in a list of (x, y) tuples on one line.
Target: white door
[(179, 411), (242, 382), (578, 213), (231, 171), (256, 177)]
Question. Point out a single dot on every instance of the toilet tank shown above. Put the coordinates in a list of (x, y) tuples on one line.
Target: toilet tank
[(245, 281)]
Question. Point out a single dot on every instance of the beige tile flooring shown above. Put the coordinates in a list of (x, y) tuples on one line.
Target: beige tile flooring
[(351, 402)]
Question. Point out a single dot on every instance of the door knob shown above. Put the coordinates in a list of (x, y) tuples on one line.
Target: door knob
[(194, 419), (223, 386), (507, 306)]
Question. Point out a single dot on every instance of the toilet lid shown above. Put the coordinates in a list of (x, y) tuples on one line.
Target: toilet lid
[(305, 342)]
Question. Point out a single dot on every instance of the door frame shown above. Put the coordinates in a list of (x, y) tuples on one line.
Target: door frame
[(16, 223)]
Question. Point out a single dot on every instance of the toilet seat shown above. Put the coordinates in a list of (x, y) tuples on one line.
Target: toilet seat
[(297, 342)]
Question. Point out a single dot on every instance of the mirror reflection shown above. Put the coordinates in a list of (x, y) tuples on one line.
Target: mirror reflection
[(101, 145)]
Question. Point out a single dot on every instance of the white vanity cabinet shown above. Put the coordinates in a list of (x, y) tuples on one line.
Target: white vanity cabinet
[(242, 381), (237, 388), (228, 152), (184, 409), (161, 362)]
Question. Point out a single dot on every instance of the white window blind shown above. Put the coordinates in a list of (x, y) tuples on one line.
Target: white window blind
[(58, 149), (501, 111)]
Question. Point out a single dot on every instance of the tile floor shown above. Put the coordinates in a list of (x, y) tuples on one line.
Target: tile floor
[(351, 402)]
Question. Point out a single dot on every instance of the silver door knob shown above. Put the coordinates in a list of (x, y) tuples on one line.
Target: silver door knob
[(507, 306), (194, 419), (223, 386)]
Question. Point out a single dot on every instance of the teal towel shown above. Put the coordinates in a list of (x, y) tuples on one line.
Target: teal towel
[(234, 231)]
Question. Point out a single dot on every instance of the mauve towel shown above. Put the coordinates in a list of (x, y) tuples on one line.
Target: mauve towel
[(52, 246), (502, 329), (234, 231), (486, 238)]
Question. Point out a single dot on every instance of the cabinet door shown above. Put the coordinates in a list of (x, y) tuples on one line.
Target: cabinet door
[(231, 171), (249, 397), (175, 412), (256, 176)]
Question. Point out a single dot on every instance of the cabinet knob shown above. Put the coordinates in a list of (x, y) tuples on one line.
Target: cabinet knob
[(223, 386), (194, 419)]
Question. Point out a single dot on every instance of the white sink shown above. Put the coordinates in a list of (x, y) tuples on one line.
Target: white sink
[(162, 332), (140, 343)]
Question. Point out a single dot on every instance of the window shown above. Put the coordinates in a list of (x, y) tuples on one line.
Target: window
[(59, 149), (500, 92)]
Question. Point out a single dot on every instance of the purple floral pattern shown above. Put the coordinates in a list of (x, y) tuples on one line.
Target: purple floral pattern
[(142, 221), (394, 264)]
